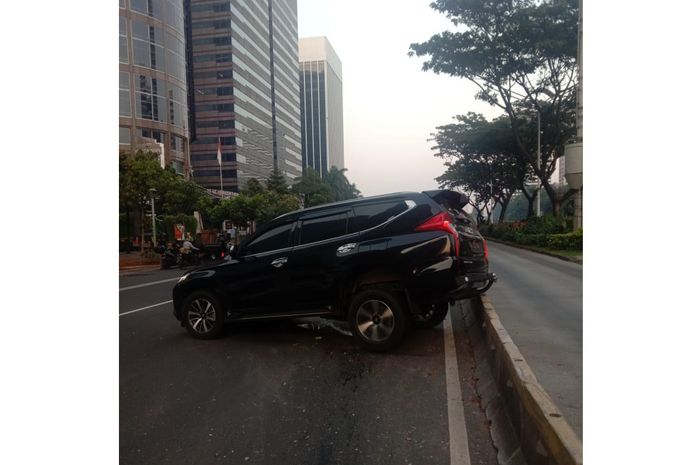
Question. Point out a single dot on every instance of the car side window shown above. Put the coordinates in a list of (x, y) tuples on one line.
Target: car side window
[(326, 227), (275, 238), (370, 215)]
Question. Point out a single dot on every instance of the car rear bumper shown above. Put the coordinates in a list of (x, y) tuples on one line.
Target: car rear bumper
[(472, 284)]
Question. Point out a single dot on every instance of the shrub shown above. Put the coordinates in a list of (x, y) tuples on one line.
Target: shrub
[(567, 241), (547, 224)]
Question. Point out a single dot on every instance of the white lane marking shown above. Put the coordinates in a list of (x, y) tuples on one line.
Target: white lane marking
[(146, 308), (136, 286), (459, 447)]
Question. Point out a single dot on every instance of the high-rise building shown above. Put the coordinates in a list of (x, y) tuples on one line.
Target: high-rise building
[(153, 112), (245, 90), (321, 84)]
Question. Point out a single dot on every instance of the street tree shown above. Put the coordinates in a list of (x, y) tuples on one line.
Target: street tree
[(252, 187), (341, 187), (179, 195), (521, 54), (275, 204), (276, 182), (138, 174), (312, 189), (481, 158)]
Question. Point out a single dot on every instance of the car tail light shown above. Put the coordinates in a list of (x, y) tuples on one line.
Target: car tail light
[(486, 251), (441, 222)]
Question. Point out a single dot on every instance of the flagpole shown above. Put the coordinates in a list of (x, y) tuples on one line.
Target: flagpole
[(221, 175)]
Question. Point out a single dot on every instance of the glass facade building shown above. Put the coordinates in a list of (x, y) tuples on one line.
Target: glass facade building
[(321, 95), (152, 79), (244, 90)]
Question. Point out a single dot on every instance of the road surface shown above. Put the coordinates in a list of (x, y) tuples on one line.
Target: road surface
[(299, 392), (540, 302)]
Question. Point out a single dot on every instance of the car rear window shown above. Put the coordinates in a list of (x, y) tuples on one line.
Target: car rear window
[(326, 227), (370, 215)]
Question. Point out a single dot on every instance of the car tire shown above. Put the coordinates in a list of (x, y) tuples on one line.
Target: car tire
[(378, 319), (431, 316), (203, 315)]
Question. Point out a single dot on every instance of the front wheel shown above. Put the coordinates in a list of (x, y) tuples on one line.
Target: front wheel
[(378, 319), (203, 315), (431, 315)]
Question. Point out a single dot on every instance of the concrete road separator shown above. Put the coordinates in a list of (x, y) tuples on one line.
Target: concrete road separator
[(544, 435), (459, 445)]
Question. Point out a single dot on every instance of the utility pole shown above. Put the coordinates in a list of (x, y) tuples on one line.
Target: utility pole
[(574, 152), (539, 162), (153, 215)]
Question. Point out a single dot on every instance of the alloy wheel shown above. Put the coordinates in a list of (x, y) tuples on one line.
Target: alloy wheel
[(375, 320), (201, 315)]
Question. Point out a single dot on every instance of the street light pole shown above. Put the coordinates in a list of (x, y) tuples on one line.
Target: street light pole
[(153, 215), (539, 162)]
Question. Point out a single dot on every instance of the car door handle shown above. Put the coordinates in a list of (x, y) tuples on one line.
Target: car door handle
[(345, 248), (277, 263)]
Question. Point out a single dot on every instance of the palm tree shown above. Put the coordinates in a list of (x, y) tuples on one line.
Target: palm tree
[(341, 188)]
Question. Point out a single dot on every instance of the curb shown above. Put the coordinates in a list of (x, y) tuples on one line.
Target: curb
[(136, 268), (532, 249), (544, 435)]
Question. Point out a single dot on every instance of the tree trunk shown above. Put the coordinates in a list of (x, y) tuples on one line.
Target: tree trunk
[(128, 230), (530, 206), (530, 200), (143, 232), (504, 205), (555, 201)]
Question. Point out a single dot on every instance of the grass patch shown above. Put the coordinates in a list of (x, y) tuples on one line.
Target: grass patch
[(572, 254)]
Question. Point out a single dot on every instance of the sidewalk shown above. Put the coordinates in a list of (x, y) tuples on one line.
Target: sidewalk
[(135, 262)]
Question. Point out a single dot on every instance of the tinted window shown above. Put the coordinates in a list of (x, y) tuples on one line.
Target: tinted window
[(371, 215), (275, 238), (327, 227)]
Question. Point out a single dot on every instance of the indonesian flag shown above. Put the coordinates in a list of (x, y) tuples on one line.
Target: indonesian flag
[(218, 151)]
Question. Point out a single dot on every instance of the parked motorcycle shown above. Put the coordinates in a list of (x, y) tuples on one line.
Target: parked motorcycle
[(189, 258), (169, 257)]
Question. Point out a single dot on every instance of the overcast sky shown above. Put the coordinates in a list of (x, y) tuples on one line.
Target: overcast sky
[(390, 105)]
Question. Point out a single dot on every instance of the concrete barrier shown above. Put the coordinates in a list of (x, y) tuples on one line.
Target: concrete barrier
[(542, 434)]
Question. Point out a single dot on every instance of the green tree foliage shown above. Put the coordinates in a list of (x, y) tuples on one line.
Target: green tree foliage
[(312, 189), (481, 159), (521, 54), (252, 187), (181, 196), (240, 209), (276, 204), (277, 183), (258, 202), (341, 188), (140, 172)]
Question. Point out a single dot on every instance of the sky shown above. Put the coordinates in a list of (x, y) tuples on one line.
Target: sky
[(390, 105)]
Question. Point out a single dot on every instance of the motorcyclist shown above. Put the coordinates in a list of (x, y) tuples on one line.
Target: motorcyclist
[(188, 253), (188, 247)]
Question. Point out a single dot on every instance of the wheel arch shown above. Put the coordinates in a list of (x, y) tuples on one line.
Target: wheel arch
[(199, 284), (377, 277)]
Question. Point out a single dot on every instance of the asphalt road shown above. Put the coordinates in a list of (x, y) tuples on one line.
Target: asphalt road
[(296, 392), (540, 302)]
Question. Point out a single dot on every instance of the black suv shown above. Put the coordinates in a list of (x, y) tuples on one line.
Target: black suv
[(381, 263)]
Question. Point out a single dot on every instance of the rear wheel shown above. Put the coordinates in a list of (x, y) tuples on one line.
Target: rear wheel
[(203, 315), (378, 319), (431, 315)]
